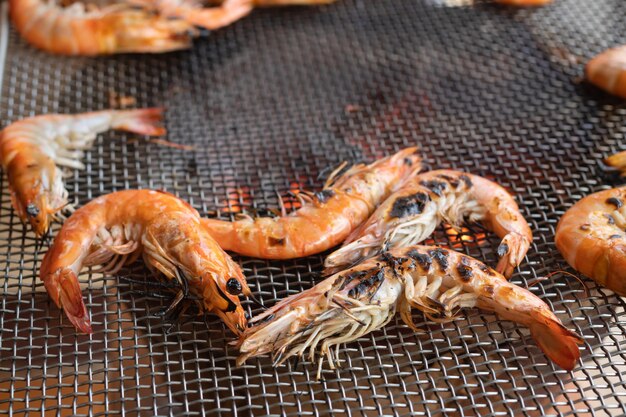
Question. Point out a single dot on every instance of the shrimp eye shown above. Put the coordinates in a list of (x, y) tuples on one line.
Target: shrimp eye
[(233, 286)]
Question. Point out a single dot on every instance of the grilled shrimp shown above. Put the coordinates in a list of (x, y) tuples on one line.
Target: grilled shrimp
[(608, 71), (116, 228), (412, 213), (364, 298), (216, 16), (591, 236), (82, 30), (33, 149), (211, 18), (618, 161), (325, 218)]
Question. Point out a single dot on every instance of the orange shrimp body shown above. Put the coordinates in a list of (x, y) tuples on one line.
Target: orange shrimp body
[(411, 214), (211, 18), (524, 3), (436, 281), (608, 71), (77, 30), (33, 149), (215, 17), (591, 237), (326, 219), (116, 228), (617, 161)]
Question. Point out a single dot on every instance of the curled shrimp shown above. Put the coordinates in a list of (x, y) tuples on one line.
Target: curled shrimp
[(33, 149), (325, 218), (82, 30), (608, 71), (617, 161), (412, 213), (116, 228), (364, 298), (591, 237)]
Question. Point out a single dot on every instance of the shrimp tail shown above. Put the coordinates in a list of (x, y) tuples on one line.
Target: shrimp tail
[(556, 341), (141, 121), (511, 251), (64, 289)]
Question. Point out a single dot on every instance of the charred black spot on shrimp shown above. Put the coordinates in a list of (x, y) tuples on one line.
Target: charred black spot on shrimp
[(437, 187), (368, 285), (453, 181), (408, 162), (347, 279), (441, 257), (503, 249), (421, 258), (615, 201), (324, 195), (610, 219), (585, 227), (467, 180), (465, 270), (486, 269), (615, 236), (32, 210), (276, 242), (409, 205)]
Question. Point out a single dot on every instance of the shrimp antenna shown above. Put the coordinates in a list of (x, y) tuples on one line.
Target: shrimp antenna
[(256, 301), (549, 275)]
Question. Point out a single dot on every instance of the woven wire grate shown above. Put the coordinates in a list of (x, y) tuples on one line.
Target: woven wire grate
[(270, 104)]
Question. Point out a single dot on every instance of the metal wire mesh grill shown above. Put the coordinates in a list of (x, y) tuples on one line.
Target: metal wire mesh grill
[(272, 102)]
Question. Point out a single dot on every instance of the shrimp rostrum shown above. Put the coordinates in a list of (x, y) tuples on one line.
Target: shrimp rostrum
[(325, 219), (411, 214), (364, 298), (87, 29), (115, 229), (33, 150)]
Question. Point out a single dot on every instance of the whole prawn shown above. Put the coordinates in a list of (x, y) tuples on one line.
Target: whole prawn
[(33, 149), (364, 298), (213, 17), (607, 70), (325, 219), (591, 236), (412, 213), (618, 162), (116, 228), (91, 30)]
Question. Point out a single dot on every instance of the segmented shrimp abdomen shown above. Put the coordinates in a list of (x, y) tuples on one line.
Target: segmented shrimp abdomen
[(592, 239), (608, 71)]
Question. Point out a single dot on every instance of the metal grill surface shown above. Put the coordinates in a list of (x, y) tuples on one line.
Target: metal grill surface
[(271, 103)]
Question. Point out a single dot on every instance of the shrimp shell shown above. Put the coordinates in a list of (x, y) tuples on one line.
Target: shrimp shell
[(411, 214), (591, 236), (117, 28), (608, 71), (325, 219), (116, 228), (356, 301), (33, 149)]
